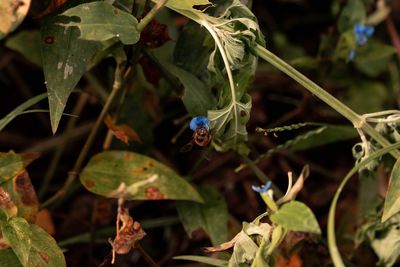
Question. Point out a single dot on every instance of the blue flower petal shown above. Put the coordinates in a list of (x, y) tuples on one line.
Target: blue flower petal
[(263, 188), (199, 121), (362, 33)]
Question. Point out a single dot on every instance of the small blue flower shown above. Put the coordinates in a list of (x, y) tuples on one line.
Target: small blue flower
[(199, 121), (362, 33), (263, 188)]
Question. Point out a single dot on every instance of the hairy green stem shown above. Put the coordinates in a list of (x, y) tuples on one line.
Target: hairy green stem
[(73, 174), (333, 249), (150, 16), (357, 120)]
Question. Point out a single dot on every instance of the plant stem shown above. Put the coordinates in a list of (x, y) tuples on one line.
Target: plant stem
[(357, 120), (333, 249), (73, 174), (150, 16), (61, 147)]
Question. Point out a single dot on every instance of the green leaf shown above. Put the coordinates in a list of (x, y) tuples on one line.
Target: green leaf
[(193, 49), (10, 165), (23, 195), (212, 215), (16, 190), (27, 43), (12, 14), (229, 124), (20, 110), (144, 177), (327, 134), (372, 58), (261, 256), (44, 250), (392, 200), (185, 4), (352, 13), (65, 57), (18, 234), (296, 216), (8, 258), (101, 21), (203, 259), (197, 97)]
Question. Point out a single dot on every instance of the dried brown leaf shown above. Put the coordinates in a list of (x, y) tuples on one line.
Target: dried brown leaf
[(123, 132)]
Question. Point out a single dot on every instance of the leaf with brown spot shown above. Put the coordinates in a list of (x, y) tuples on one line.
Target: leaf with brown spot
[(110, 169), (6, 204), (16, 190), (123, 132), (23, 195), (153, 193), (12, 163)]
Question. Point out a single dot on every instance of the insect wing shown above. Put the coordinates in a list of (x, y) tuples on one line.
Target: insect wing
[(187, 147)]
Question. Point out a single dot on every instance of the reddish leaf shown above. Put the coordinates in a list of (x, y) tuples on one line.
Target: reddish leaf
[(123, 132)]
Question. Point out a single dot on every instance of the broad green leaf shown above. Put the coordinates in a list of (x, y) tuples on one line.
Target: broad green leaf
[(44, 250), (65, 57), (193, 49), (203, 259), (20, 110), (197, 97), (212, 215), (229, 123), (392, 200), (296, 216), (28, 44), (18, 234), (144, 178), (372, 58), (8, 258), (12, 14), (352, 13), (101, 21)]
